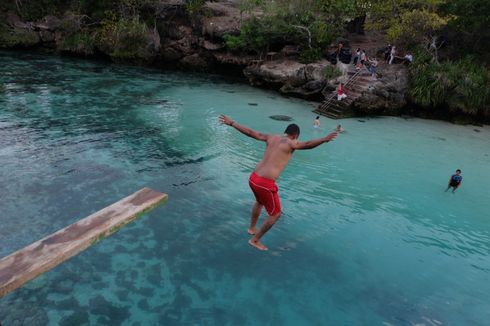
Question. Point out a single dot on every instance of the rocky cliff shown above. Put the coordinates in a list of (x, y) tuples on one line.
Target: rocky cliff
[(195, 42)]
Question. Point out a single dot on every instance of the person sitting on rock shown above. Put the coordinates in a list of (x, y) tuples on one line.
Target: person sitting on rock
[(340, 92)]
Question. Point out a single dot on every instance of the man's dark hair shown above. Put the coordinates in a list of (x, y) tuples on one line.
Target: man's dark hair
[(458, 170), (292, 129)]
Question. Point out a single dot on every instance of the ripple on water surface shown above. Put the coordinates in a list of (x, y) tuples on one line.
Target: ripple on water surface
[(367, 235)]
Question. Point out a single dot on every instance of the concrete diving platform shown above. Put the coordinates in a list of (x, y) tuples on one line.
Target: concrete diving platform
[(47, 253)]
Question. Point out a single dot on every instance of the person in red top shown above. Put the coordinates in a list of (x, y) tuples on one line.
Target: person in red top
[(278, 151), (340, 92)]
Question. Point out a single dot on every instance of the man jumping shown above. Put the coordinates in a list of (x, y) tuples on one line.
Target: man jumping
[(278, 152)]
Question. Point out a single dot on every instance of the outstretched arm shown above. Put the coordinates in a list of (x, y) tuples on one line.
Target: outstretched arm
[(315, 142), (243, 129)]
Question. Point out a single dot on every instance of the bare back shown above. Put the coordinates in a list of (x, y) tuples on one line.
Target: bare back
[(279, 149), (278, 152)]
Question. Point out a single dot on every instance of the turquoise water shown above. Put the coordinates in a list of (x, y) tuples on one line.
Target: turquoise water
[(368, 235)]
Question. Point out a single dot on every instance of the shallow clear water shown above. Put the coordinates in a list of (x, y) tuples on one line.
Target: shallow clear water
[(368, 235)]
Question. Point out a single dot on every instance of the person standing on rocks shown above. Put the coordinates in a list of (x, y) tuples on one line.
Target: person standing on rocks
[(362, 59), (388, 53), (392, 55), (357, 56), (339, 49), (373, 67), (278, 151)]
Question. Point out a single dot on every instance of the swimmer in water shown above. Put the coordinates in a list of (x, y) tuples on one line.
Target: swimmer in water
[(455, 180), (316, 122), (339, 129)]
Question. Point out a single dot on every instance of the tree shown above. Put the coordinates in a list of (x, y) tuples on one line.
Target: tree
[(469, 26), (419, 27), (410, 23), (311, 23)]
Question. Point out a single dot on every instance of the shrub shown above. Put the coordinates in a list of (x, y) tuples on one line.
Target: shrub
[(31, 10), (252, 38), (194, 6), (81, 42), (310, 55), (461, 85), (331, 72), (322, 33), (16, 38), (124, 38), (234, 42)]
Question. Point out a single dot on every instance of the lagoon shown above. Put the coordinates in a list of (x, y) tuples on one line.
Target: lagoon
[(368, 236)]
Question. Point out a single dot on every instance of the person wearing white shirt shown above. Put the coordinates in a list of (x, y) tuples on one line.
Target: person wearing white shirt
[(392, 55), (408, 58)]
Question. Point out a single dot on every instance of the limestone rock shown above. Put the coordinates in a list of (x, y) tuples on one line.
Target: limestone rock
[(153, 45), (212, 46), (14, 21), (291, 77), (387, 95), (223, 19), (177, 32), (18, 38), (173, 50), (194, 62), (227, 58), (47, 36), (169, 53), (14, 33), (49, 23)]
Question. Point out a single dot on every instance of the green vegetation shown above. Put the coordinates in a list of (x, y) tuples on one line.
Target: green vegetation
[(194, 6), (253, 37), (31, 10), (458, 27), (469, 26), (21, 38), (310, 24), (310, 55), (124, 38), (410, 23), (450, 38), (82, 42), (461, 86), (331, 71)]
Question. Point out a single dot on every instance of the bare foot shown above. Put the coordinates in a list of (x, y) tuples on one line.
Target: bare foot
[(251, 231), (257, 244)]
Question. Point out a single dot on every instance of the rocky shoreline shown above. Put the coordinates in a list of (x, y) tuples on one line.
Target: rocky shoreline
[(196, 43)]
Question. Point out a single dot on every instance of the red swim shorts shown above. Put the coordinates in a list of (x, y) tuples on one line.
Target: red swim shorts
[(265, 191)]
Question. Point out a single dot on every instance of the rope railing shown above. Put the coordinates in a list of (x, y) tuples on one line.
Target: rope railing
[(350, 81)]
